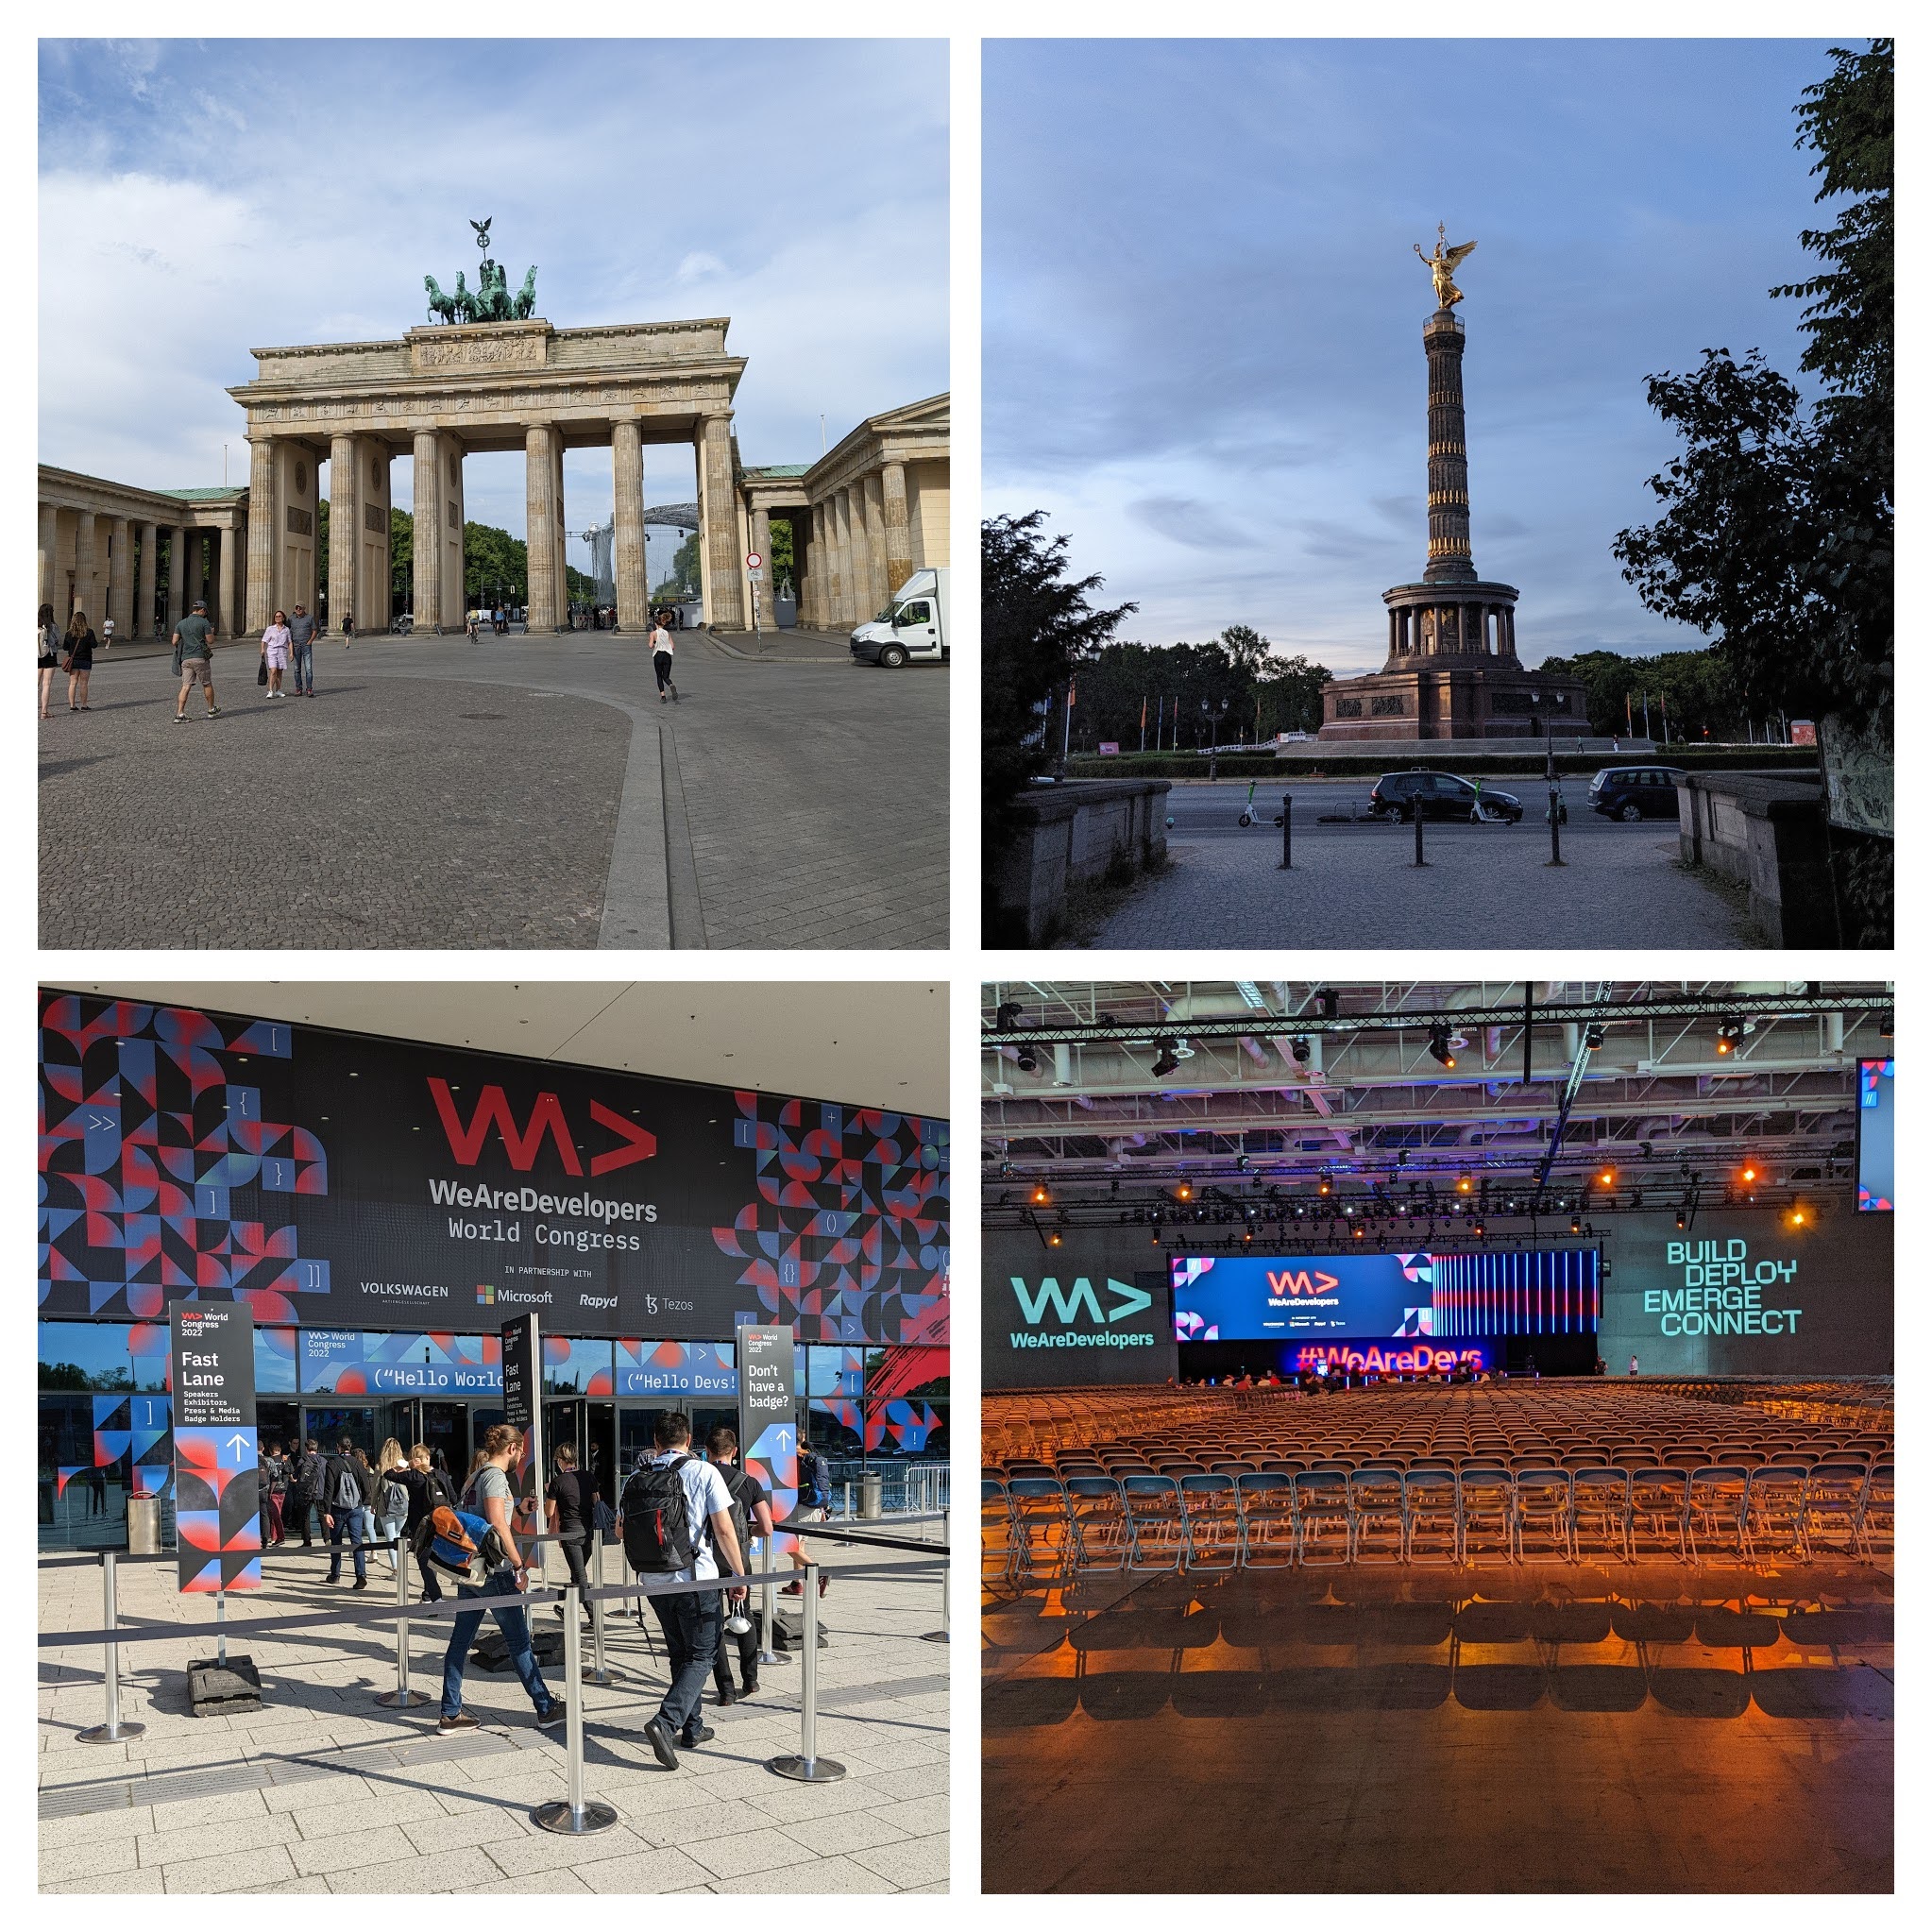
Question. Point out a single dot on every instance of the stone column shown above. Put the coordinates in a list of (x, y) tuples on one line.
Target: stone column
[(627, 537), (426, 552), (562, 542), (718, 516), (455, 582), (345, 531), (83, 568), (217, 610), (177, 575), (540, 526), (1394, 635), (865, 552), (144, 582), (898, 526), (120, 576), (1448, 464), (761, 540), (847, 612), (49, 561), (234, 575), (265, 523), (1509, 630)]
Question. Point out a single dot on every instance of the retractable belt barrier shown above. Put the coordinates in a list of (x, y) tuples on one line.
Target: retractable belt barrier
[(871, 1539), (575, 1815)]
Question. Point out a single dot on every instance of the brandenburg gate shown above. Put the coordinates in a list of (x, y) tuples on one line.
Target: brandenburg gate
[(444, 390)]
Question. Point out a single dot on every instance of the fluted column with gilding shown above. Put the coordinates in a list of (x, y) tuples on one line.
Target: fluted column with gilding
[(627, 520)]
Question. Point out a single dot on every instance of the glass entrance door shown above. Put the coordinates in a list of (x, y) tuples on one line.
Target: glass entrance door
[(445, 1427), (329, 1426), (405, 1421)]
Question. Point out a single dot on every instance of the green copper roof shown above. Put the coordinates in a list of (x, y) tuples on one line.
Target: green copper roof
[(777, 470), (203, 495)]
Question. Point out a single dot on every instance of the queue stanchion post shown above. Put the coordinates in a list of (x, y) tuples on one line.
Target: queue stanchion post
[(600, 1671), (113, 1731), (808, 1768), (765, 1654), (402, 1697), (943, 1635), (575, 1815)]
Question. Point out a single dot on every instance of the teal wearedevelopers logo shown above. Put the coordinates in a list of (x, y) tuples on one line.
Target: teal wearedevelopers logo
[(1071, 1306)]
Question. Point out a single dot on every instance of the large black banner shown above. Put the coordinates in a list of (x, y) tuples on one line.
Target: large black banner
[(343, 1182)]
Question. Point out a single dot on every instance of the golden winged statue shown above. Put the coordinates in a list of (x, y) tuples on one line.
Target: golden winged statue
[(1442, 265)]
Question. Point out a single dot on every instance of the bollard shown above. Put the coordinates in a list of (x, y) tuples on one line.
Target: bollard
[(600, 1673), (221, 1627), (1417, 811), (943, 1635), (574, 1816), (848, 1496), (114, 1730), (808, 1768), (1287, 835), (402, 1697), (1556, 856)]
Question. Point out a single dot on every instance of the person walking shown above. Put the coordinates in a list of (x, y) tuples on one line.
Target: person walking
[(303, 1470), (276, 644), (570, 1514), (49, 633), (345, 1499), (489, 1496), (813, 1506), (418, 1484), (78, 662), (301, 635), (195, 660), (661, 649), (392, 1498), (751, 1516), (675, 1518), (277, 1486), (108, 635), (349, 628)]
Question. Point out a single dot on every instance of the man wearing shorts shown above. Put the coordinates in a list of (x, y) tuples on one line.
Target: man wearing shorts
[(661, 648), (195, 660)]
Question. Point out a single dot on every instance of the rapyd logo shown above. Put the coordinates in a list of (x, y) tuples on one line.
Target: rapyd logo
[(546, 1119), (1078, 1304)]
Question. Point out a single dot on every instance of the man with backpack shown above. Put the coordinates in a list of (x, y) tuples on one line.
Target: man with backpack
[(814, 1504), (751, 1516), (570, 1514), (485, 1513), (345, 1500), (304, 1469), (675, 1519)]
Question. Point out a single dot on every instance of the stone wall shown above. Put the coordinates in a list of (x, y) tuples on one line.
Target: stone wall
[(1769, 834), (1070, 835)]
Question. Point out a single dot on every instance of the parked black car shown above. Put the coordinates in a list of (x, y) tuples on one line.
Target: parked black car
[(1636, 791), (1439, 795)]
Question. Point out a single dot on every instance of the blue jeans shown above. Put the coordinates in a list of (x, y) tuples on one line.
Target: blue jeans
[(304, 656), (516, 1628), (691, 1625), (356, 1523)]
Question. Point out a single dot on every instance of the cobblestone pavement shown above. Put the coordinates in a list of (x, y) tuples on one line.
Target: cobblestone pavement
[(322, 1789), (1484, 886), (381, 813), (802, 802)]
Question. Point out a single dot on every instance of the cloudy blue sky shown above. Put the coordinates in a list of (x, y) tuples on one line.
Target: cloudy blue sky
[(1203, 320), (201, 198)]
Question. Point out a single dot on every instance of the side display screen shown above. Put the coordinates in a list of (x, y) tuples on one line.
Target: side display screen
[(1874, 1136)]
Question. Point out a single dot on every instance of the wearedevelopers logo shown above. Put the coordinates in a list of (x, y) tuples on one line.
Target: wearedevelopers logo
[(1050, 1303)]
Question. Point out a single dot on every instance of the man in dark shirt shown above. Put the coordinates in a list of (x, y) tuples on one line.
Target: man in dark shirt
[(345, 1500), (301, 631), (195, 660), (570, 1514), (751, 1509)]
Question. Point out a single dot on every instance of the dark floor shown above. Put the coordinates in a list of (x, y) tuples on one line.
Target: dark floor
[(1553, 1728)]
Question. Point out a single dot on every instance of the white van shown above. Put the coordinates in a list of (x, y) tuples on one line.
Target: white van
[(916, 624)]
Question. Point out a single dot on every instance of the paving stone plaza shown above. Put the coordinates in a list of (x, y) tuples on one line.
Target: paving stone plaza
[(321, 1789), (517, 793)]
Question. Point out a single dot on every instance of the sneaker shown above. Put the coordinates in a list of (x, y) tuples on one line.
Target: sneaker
[(662, 698), (214, 710), (824, 1582), (793, 1590), (181, 718), (459, 1720), (551, 1715), (662, 1744), (673, 694)]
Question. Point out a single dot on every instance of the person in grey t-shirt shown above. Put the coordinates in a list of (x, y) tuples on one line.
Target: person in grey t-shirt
[(489, 1495), (301, 631)]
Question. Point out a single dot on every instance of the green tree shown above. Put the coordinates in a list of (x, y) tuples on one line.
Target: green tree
[(1037, 628), (782, 563), (63, 1374), (401, 559), (495, 564)]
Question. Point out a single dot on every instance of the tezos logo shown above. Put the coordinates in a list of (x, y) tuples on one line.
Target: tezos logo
[(546, 1118), (1068, 1303)]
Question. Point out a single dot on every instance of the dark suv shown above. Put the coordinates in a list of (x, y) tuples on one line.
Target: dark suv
[(1438, 795), (1630, 792)]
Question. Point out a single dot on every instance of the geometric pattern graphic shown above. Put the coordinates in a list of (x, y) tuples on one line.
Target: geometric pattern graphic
[(217, 1509), (132, 1434), (840, 1373), (905, 1424), (145, 1136), (848, 1237), (681, 1369)]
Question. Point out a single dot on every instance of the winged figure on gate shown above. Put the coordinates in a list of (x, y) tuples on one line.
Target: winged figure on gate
[(482, 232)]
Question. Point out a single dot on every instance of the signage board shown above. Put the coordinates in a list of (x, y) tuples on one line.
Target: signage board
[(523, 1409), (768, 1413), (217, 1499), (1080, 1324)]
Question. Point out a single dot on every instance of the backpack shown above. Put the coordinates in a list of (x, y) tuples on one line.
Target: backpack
[(459, 1544), (348, 1489), (817, 1480), (657, 1520), (735, 1479), (394, 1498)]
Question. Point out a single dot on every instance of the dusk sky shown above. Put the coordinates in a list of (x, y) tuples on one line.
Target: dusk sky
[(198, 200), (1203, 319)]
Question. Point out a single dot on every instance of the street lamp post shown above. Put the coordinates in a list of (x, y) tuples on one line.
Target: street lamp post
[(1214, 719)]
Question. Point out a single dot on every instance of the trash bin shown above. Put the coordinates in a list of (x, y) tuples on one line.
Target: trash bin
[(143, 1526), (872, 1494)]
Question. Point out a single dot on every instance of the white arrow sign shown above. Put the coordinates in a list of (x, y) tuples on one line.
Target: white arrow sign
[(238, 1442), (784, 1437)]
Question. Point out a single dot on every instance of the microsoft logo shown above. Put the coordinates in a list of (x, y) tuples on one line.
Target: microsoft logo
[(485, 1295), (1068, 1303)]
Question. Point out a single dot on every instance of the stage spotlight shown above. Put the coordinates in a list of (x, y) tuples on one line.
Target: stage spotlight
[(1041, 1196), (1298, 1047), (1184, 1192), (1576, 1227), (1800, 1216), (1606, 1177), (1053, 1238), (1680, 1217), (1324, 1185), (1027, 1061), (1884, 1026), (1359, 1230), (1006, 1167), (1748, 1172), (1729, 1033), (1476, 1228), (1439, 1046), (1240, 1163), (1165, 1061), (1463, 1184), (1593, 1037), (1328, 1000), (1005, 1016), (1644, 1148)]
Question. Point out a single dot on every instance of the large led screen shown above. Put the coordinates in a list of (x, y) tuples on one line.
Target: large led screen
[(341, 1183), (1874, 1136), (1301, 1296)]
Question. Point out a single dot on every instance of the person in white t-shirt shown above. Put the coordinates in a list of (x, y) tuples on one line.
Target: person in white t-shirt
[(660, 646)]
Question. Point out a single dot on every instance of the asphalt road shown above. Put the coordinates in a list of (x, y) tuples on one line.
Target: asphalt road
[(1213, 811)]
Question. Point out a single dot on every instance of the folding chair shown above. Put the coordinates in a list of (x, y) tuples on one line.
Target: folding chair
[(1375, 1529), (998, 1554), (1715, 1513), (1774, 1509), (1431, 1516), (1266, 1500), (1212, 1508), (1321, 1516), (1542, 1514), (1040, 1528), (1488, 1497), (1157, 1528), (1096, 1524), (1875, 1525), (1600, 1513)]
